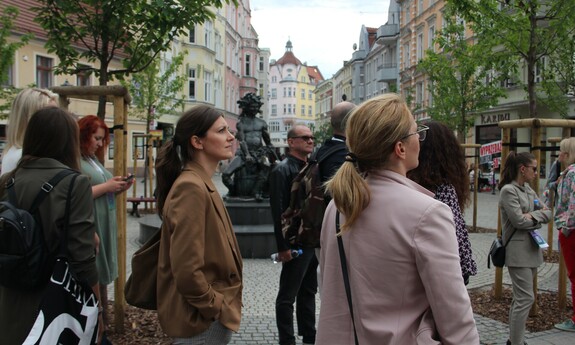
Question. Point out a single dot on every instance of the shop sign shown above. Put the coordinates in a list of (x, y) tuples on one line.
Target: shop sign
[(490, 149), (489, 119)]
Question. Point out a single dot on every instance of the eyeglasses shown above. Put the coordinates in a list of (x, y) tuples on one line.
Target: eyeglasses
[(532, 167), (421, 133), (304, 138)]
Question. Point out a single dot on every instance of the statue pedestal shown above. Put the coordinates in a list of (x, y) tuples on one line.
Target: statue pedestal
[(253, 226)]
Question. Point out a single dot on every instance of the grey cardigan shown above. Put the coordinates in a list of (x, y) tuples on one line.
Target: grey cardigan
[(516, 200)]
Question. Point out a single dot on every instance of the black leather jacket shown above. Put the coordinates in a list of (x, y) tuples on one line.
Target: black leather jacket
[(281, 178)]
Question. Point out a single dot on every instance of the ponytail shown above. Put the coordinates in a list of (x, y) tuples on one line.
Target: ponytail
[(513, 162), (168, 168)]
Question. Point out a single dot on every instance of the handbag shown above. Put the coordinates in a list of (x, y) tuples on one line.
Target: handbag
[(140, 289), (497, 252), (345, 276), (69, 308)]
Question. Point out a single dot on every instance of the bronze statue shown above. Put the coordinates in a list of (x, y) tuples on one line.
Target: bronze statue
[(246, 176)]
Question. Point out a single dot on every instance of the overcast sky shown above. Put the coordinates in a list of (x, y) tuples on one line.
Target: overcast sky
[(322, 31)]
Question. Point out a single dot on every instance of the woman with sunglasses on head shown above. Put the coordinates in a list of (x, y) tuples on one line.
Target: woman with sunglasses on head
[(399, 242), (521, 214), (442, 169)]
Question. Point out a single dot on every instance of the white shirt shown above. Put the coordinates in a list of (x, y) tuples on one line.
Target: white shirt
[(10, 159)]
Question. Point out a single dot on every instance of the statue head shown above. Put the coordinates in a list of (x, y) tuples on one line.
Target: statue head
[(250, 104)]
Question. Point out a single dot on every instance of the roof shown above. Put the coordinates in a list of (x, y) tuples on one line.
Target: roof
[(372, 35), (288, 58), (24, 22), (314, 74)]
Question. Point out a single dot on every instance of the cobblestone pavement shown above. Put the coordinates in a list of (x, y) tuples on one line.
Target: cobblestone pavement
[(261, 278)]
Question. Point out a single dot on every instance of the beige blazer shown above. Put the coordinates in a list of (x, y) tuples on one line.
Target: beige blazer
[(199, 265), (404, 269), (515, 200)]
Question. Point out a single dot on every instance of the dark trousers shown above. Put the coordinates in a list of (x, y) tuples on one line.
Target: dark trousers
[(298, 279)]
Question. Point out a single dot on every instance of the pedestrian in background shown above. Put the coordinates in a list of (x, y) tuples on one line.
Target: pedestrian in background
[(298, 278), (94, 140), (199, 264), (329, 165), (520, 215), (565, 218), (50, 145), (26, 103), (441, 169), (400, 243)]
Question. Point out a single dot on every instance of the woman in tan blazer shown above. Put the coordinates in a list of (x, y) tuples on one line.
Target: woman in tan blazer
[(199, 264), (400, 242), (519, 217)]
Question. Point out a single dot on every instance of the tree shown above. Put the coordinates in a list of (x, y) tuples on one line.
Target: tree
[(155, 90), (322, 132), (100, 30), (7, 51), (462, 78), (527, 31)]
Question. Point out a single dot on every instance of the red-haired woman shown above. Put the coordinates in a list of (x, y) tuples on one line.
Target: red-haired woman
[(94, 138)]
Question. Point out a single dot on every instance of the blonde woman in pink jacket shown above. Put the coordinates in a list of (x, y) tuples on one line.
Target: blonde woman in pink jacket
[(400, 244)]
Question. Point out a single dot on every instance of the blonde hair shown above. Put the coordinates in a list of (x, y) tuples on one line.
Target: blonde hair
[(372, 130), (26, 103), (568, 145)]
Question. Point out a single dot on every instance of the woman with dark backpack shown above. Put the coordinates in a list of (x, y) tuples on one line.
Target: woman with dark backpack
[(50, 146)]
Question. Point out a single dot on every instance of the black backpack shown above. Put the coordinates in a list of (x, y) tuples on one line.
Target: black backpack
[(301, 221), (25, 261)]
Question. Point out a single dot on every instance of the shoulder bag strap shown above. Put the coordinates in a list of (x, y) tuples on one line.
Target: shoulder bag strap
[(345, 275), (42, 194)]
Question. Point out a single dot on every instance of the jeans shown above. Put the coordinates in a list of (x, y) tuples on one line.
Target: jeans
[(568, 250), (298, 280)]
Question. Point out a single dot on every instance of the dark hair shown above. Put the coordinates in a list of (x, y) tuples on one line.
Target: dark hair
[(88, 126), (52, 133), (169, 163), (442, 161), (513, 162)]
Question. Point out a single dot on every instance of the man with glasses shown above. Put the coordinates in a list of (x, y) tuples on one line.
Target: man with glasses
[(298, 279)]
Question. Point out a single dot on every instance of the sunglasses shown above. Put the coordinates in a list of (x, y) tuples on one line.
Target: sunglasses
[(532, 167), (304, 137)]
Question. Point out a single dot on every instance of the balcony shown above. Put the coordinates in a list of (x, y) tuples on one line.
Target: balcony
[(387, 33), (358, 55), (387, 73)]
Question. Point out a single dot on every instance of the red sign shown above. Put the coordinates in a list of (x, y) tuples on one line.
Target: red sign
[(490, 149)]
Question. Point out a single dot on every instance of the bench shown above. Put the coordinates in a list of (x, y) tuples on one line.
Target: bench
[(136, 201)]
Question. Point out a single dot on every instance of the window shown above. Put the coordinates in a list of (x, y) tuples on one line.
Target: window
[(302, 110), (191, 83), (208, 86), (218, 45), (539, 68), (248, 65), (309, 94), (420, 46), (274, 126), (289, 109), (302, 93), (309, 110), (274, 93), (83, 76), (285, 92), (406, 58), (274, 79), (8, 78), (419, 94), (138, 145), (261, 88), (274, 109), (285, 109), (44, 78), (289, 91), (192, 34), (430, 38), (208, 32), (111, 147), (261, 66), (419, 7)]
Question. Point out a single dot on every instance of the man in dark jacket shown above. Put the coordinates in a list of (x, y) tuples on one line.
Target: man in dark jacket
[(298, 278)]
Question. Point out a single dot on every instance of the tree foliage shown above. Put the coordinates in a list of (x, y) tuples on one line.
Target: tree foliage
[(527, 31), (155, 90), (461, 75), (7, 52), (135, 31)]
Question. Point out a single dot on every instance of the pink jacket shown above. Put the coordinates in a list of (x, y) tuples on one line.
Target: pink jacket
[(404, 271)]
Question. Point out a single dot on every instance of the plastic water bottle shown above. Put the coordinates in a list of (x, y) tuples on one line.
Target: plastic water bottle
[(294, 254), (537, 204)]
